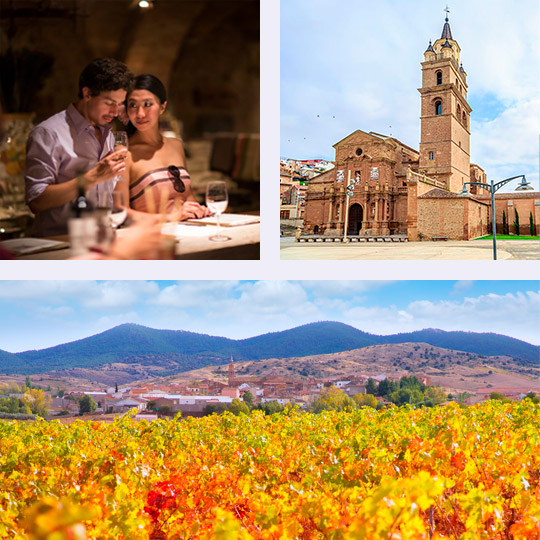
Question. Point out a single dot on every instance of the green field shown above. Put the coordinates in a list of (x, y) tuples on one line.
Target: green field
[(509, 237)]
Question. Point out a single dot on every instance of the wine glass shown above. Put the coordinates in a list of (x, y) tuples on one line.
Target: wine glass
[(102, 212), (217, 201), (120, 140), (119, 210)]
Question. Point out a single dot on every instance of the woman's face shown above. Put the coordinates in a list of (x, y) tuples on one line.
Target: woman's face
[(143, 109)]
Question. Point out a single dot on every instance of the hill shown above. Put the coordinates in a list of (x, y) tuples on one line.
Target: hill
[(138, 350)]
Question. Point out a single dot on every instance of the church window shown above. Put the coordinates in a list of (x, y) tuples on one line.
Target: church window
[(464, 119), (458, 111), (430, 155), (438, 107), (358, 151), (439, 77)]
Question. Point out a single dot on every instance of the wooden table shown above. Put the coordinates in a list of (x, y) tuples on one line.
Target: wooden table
[(193, 243)]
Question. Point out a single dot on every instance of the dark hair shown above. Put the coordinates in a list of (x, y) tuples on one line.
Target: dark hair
[(104, 75), (150, 83)]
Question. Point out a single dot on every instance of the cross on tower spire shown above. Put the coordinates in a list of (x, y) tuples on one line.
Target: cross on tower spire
[(447, 12)]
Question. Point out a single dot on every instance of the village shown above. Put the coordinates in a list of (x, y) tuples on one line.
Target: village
[(198, 398)]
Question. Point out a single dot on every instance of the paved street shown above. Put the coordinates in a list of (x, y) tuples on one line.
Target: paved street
[(477, 250)]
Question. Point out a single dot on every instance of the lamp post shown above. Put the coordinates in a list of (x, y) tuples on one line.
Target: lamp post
[(348, 195), (492, 188)]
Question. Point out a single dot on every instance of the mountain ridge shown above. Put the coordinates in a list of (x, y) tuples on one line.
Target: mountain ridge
[(129, 342)]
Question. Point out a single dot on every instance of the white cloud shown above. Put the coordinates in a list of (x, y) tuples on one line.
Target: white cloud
[(345, 288), (119, 294), (462, 286), (51, 291), (517, 315), (194, 294)]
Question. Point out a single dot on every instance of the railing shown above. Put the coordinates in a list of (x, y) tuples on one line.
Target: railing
[(425, 179)]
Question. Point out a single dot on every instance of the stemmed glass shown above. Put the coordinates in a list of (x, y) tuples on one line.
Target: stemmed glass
[(118, 210), (217, 200), (121, 143), (120, 140)]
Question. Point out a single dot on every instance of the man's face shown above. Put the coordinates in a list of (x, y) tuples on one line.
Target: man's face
[(101, 109)]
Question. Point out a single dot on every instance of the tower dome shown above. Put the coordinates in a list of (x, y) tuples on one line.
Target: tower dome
[(446, 32), (447, 44), (429, 54)]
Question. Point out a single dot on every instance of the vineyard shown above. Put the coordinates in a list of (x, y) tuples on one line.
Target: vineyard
[(398, 473)]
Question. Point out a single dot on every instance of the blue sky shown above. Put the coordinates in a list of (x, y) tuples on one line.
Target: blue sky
[(39, 314), (350, 65)]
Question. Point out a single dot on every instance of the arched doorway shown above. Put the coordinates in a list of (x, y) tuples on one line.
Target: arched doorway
[(316, 229), (356, 214)]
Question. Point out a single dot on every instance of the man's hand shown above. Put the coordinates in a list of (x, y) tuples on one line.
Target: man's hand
[(113, 164)]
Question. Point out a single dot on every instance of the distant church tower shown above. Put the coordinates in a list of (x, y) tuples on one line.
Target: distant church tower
[(231, 371), (445, 113)]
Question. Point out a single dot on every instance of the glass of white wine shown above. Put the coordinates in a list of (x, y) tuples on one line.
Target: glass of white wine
[(217, 201), (118, 210), (120, 140)]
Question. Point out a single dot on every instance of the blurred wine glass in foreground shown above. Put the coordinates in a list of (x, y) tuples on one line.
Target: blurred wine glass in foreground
[(118, 210)]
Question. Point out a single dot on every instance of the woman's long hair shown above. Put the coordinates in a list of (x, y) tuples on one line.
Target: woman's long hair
[(150, 83)]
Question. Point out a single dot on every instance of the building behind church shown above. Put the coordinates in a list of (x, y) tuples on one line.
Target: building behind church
[(398, 190)]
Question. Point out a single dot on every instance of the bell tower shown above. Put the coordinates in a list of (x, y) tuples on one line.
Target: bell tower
[(231, 371), (445, 113)]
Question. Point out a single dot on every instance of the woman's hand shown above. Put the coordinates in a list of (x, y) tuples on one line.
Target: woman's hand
[(192, 209)]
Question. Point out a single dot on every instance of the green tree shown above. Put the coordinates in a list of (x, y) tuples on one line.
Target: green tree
[(533, 397), (371, 387), (505, 224), (499, 397), (365, 400), (28, 383), (435, 394), (406, 395), (238, 407), (333, 398), (516, 221), (248, 399), (412, 382), (532, 229), (386, 387), (214, 408), (87, 404), (165, 410), (270, 407), (13, 405)]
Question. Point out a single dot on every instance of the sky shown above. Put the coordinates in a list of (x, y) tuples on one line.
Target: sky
[(352, 65), (40, 314)]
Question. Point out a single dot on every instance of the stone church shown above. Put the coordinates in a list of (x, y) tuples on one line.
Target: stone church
[(396, 190)]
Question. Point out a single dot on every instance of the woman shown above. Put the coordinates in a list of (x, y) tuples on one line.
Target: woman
[(155, 165)]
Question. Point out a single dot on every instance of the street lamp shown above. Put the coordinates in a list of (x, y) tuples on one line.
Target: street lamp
[(492, 188)]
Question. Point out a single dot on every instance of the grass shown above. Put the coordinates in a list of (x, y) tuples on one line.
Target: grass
[(509, 237)]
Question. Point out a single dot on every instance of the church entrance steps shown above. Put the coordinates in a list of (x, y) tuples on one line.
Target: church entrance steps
[(352, 239)]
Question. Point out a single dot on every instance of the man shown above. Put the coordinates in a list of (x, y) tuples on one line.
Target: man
[(76, 140)]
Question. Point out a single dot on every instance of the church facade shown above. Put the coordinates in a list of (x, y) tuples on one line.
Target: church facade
[(381, 186)]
